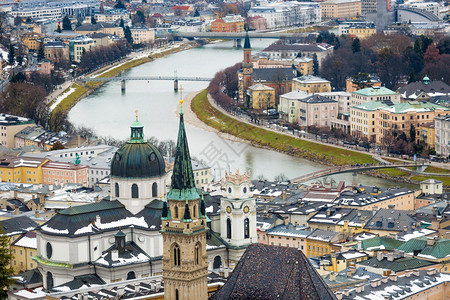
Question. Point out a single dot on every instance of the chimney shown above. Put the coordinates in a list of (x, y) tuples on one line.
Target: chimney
[(36, 214), (350, 271), (431, 272), (98, 219), (380, 255), (359, 288), (158, 285), (137, 287), (283, 195), (393, 277), (434, 210), (114, 255), (405, 228), (373, 283), (430, 241), (339, 295), (416, 272), (390, 256), (16, 210), (384, 279), (333, 276), (408, 273), (374, 210), (346, 292), (120, 291)]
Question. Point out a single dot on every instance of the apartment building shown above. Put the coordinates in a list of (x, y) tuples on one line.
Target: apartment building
[(21, 169), (79, 45), (334, 9), (311, 84), (9, 126), (230, 23), (373, 93), (142, 34), (316, 110), (64, 173), (442, 135)]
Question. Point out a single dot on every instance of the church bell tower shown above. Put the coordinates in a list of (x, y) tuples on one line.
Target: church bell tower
[(184, 227), (245, 77)]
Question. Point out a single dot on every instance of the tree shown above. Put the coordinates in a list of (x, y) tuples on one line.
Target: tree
[(412, 134), (431, 55), (315, 65), (93, 20), (138, 17), (57, 146), (356, 45), (11, 54), (418, 47), (196, 13), (66, 23), (59, 30), (128, 35), (122, 24), (102, 8), (19, 59), (6, 270), (119, 5), (41, 51)]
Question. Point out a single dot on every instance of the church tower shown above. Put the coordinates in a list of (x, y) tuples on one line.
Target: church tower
[(245, 78), (184, 227), (238, 214)]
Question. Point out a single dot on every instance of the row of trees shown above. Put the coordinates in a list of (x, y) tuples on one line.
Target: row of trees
[(225, 87), (391, 57), (90, 60)]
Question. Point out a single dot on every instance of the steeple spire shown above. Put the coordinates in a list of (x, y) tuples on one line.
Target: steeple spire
[(247, 41), (183, 184)]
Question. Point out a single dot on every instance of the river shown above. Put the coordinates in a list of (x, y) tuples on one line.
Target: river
[(110, 113)]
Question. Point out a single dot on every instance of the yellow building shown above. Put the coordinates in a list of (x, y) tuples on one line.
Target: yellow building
[(31, 40), (21, 169), (427, 134), (362, 31), (320, 242), (338, 261), (23, 249), (9, 126), (261, 96), (333, 9), (311, 84), (79, 45)]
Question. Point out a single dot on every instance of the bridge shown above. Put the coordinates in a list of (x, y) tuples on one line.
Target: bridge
[(238, 36), (124, 78), (352, 169)]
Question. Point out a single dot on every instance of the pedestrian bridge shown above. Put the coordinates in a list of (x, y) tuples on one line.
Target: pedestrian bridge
[(353, 169), (123, 79)]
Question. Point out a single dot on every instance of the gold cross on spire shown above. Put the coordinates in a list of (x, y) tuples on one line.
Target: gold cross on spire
[(136, 111)]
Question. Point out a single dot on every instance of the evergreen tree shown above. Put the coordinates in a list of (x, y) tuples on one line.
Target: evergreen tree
[(412, 76), (315, 65), (122, 24), (41, 51), (102, 9), (6, 271), (319, 39), (19, 59), (119, 5), (196, 13), (59, 30), (412, 134), (11, 54), (418, 47), (66, 23), (356, 45), (93, 20), (128, 35)]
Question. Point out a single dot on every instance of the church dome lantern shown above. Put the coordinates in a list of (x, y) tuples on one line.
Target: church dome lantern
[(137, 158)]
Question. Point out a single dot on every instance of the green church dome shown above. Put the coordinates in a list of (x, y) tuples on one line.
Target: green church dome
[(137, 158)]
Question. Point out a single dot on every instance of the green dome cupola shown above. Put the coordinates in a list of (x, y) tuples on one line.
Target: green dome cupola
[(137, 158)]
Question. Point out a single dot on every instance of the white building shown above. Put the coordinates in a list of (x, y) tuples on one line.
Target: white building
[(442, 135), (284, 14)]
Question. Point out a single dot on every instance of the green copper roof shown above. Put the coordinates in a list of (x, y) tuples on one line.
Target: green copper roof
[(44, 261), (137, 132), (380, 243), (440, 248), (183, 184), (378, 91), (417, 106), (374, 105), (247, 41)]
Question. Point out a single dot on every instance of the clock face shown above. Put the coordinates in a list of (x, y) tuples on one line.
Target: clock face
[(246, 209), (229, 209)]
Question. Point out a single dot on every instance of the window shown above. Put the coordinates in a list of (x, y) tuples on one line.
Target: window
[(197, 253), (116, 188), (228, 228), (246, 228), (134, 191), (176, 211), (49, 280), (176, 255), (131, 275), (154, 189)]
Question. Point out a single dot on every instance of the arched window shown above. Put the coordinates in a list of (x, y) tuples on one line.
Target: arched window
[(131, 275), (228, 228), (176, 255), (217, 262), (154, 189), (49, 280), (195, 211), (134, 191), (116, 187), (177, 296), (246, 228), (176, 212), (197, 253)]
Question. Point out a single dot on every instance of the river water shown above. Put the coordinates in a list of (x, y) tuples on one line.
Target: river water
[(110, 113)]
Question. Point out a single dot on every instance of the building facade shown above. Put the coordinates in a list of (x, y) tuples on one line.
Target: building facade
[(442, 135), (340, 9)]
